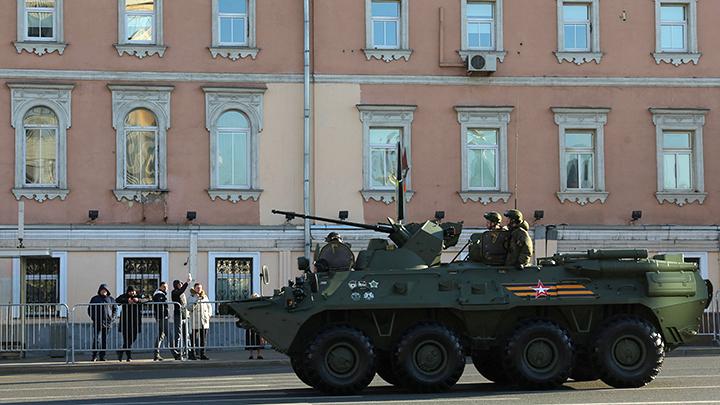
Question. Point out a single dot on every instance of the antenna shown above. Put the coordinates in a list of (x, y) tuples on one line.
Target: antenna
[(517, 150)]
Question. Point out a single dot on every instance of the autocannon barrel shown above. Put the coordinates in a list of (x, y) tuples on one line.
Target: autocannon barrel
[(377, 228)]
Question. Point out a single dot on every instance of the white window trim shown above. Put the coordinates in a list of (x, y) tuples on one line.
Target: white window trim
[(703, 256), (496, 118), (390, 116), (62, 279), (388, 55), (678, 58), (249, 101), (40, 47), (157, 100), (255, 256), (141, 49), (594, 119), (56, 97), (234, 52), (693, 120), (580, 57), (120, 271), (498, 52)]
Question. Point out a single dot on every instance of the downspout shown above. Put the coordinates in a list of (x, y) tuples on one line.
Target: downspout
[(306, 128)]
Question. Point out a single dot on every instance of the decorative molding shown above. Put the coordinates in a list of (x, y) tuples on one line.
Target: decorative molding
[(676, 59), (40, 48), (233, 53), (234, 196), (386, 196), (680, 198), (141, 51), (579, 58), (142, 196), (582, 197), (388, 55), (498, 50), (484, 198), (40, 194)]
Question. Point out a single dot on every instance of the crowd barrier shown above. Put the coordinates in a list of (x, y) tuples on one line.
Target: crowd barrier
[(34, 328), (710, 325)]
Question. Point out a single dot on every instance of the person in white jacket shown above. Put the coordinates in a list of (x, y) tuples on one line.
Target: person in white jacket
[(200, 311)]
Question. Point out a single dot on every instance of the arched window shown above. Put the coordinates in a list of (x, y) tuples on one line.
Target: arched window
[(40, 125), (141, 149), (233, 150)]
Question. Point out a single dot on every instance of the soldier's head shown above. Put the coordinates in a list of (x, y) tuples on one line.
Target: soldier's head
[(515, 217), (493, 219), (333, 236)]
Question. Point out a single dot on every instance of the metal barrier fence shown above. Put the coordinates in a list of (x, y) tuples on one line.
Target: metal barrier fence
[(212, 326), (34, 328), (710, 325)]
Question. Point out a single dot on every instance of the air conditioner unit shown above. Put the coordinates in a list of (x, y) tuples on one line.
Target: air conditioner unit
[(478, 62)]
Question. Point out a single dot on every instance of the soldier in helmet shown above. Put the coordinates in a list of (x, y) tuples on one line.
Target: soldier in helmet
[(520, 246), (333, 236), (334, 256), (494, 241)]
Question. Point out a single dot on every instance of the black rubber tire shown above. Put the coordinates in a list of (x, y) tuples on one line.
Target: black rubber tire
[(426, 342), (583, 369), (643, 352), (335, 343), (296, 364), (489, 364), (383, 363), (549, 365)]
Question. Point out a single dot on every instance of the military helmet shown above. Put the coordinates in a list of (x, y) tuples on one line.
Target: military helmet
[(493, 216), (333, 236), (515, 215)]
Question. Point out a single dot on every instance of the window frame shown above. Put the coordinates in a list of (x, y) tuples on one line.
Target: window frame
[(141, 49), (496, 118), (389, 54), (678, 152), (40, 46), (56, 129), (592, 120), (155, 132), (386, 148), (235, 51), (57, 98), (27, 10), (398, 25), (497, 51), (386, 116), (18, 278), (579, 56), (496, 148), (680, 56), (120, 267), (690, 121), (212, 276), (156, 99), (248, 154), (674, 23), (249, 101), (576, 151)]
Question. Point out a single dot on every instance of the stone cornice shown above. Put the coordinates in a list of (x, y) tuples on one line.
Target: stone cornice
[(233, 53), (386, 196), (680, 198), (40, 194), (388, 55), (579, 58), (484, 197), (40, 48), (676, 59), (234, 196), (582, 197), (141, 51)]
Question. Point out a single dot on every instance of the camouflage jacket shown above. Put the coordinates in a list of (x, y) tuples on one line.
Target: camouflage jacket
[(520, 247)]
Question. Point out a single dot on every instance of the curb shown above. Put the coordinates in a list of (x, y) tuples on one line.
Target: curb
[(143, 364), (695, 351)]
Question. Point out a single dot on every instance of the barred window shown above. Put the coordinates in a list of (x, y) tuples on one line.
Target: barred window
[(42, 284), (234, 278), (143, 273)]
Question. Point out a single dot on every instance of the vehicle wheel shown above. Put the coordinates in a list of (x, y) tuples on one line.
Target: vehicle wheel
[(429, 358), (489, 364), (296, 363), (583, 369), (628, 352), (539, 355), (339, 361), (383, 363)]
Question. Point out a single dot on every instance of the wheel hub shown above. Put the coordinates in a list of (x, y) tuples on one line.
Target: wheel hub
[(341, 359), (430, 357), (541, 354), (629, 352)]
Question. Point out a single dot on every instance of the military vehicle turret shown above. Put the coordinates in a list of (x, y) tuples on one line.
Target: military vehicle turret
[(397, 311)]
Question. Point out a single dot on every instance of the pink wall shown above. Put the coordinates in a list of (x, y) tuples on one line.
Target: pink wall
[(630, 152)]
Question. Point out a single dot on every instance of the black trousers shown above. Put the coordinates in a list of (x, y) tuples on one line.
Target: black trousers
[(180, 333), (199, 340), (99, 336), (129, 336), (162, 332)]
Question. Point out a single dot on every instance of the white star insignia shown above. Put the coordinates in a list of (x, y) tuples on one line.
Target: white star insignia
[(541, 290), (374, 284)]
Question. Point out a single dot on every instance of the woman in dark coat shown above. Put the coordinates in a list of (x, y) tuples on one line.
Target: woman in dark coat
[(130, 320)]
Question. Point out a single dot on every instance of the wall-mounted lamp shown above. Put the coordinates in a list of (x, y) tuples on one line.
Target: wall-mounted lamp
[(343, 215), (191, 215), (439, 215), (636, 215), (539, 214), (93, 214)]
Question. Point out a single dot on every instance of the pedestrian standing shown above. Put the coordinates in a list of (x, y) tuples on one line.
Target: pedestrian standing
[(200, 311), (180, 315), (253, 341), (102, 310), (161, 316), (130, 320)]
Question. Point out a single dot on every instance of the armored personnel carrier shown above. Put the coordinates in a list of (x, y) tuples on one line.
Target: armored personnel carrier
[(397, 311)]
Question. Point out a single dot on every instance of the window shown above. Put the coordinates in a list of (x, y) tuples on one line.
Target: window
[(387, 30), (234, 120), (383, 127), (233, 32), (142, 270), (141, 117), (232, 276), (41, 280), (40, 26), (680, 171), (676, 32), (482, 28), (578, 31), (40, 115), (582, 157), (140, 28), (484, 153)]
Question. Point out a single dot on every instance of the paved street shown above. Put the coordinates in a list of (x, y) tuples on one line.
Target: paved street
[(684, 380)]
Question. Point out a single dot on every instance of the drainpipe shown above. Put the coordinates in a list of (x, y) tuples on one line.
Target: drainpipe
[(306, 128)]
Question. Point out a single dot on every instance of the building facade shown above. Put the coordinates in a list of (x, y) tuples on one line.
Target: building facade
[(119, 119)]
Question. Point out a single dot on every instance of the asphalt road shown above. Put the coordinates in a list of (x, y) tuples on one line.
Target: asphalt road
[(683, 380)]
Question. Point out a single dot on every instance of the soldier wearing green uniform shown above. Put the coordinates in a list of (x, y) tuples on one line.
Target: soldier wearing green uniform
[(520, 246), (494, 241)]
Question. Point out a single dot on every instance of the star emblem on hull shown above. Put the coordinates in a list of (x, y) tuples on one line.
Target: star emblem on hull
[(373, 284), (540, 290)]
